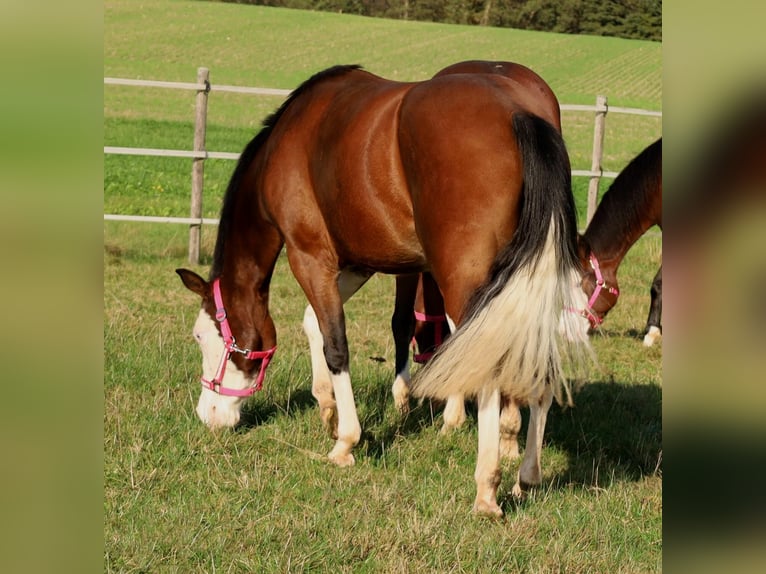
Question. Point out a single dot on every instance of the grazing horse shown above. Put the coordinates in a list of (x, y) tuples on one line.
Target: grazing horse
[(355, 174), (631, 205)]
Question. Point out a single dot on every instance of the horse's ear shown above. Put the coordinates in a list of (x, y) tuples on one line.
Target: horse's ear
[(194, 282)]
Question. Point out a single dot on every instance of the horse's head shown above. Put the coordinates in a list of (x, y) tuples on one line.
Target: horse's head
[(599, 283), (231, 370)]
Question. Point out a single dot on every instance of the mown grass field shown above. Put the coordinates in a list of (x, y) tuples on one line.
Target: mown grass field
[(262, 498)]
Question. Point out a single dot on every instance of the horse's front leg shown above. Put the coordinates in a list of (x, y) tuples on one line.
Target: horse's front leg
[(326, 292), (333, 328), (530, 471), (487, 473), (653, 330)]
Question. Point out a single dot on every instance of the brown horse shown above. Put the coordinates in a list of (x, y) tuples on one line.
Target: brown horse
[(356, 174), (631, 205)]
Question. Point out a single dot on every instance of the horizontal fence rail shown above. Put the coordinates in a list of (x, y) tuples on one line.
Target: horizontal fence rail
[(203, 87)]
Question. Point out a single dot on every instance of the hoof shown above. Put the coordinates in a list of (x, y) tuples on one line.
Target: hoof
[(487, 508), (520, 490), (402, 406), (652, 336), (341, 459)]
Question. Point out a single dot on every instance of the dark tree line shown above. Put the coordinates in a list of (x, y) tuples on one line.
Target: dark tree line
[(638, 19)]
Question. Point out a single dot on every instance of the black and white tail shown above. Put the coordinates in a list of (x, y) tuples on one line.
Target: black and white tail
[(517, 333)]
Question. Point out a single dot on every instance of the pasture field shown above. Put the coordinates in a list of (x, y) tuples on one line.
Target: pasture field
[(279, 48), (263, 498)]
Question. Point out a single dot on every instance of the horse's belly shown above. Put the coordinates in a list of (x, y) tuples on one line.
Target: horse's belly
[(376, 230)]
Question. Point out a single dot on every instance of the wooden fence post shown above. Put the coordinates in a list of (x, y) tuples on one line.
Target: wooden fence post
[(198, 164), (598, 152)]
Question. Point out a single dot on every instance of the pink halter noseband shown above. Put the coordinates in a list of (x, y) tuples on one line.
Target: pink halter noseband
[(230, 344), (600, 284)]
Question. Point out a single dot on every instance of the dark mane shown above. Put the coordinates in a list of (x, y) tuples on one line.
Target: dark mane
[(623, 205), (249, 153)]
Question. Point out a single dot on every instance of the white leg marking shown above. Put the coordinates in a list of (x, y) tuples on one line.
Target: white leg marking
[(652, 336), (401, 390), (530, 472), (487, 473), (454, 414), (321, 382), (510, 425), (349, 429), (454, 411)]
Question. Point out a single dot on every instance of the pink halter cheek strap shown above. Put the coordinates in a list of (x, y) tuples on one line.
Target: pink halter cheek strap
[(230, 345), (600, 284)]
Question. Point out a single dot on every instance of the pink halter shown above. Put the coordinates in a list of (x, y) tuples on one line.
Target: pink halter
[(438, 327), (600, 284), (231, 347)]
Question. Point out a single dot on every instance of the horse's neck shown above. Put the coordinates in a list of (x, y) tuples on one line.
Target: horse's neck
[(610, 236), (610, 249), (246, 271)]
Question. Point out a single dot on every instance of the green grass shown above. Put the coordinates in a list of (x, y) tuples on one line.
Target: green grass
[(262, 498)]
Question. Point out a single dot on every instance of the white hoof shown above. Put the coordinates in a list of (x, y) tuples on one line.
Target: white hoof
[(652, 336)]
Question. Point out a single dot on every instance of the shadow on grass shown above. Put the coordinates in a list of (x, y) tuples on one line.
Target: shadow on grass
[(613, 433), (381, 423), (257, 414)]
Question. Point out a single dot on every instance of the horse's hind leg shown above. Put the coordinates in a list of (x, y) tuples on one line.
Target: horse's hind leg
[(653, 329), (333, 390), (530, 472), (321, 382), (402, 327), (487, 473), (510, 425)]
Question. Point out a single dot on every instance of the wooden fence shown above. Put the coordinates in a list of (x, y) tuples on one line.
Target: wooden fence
[(199, 154)]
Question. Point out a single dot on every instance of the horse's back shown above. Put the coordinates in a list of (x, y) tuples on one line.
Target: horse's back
[(345, 188)]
